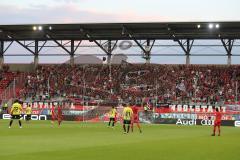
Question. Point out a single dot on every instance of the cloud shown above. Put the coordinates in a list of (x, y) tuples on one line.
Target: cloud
[(67, 13)]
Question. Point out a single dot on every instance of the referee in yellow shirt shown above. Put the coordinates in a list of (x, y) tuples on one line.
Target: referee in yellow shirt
[(16, 112), (127, 117)]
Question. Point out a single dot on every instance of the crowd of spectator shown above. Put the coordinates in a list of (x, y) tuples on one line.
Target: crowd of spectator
[(134, 82)]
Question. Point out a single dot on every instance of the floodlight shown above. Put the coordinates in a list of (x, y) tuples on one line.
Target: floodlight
[(39, 28), (210, 26), (34, 28)]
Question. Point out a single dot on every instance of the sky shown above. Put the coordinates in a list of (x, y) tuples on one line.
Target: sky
[(83, 11), (77, 11)]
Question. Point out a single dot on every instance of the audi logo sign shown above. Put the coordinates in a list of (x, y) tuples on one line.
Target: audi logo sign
[(194, 122), (207, 122), (237, 123)]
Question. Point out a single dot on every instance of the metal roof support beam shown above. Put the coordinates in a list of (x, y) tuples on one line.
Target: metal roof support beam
[(114, 45), (7, 47), (43, 45), (79, 43), (64, 44), (36, 52), (71, 59), (147, 50), (60, 45), (36, 61), (88, 35), (133, 54), (2, 51), (73, 48), (29, 44), (110, 47), (24, 46), (188, 61), (36, 48), (152, 45), (229, 60), (130, 35), (101, 46), (1, 54), (146, 54), (72, 52), (109, 44), (228, 44), (12, 37), (1, 48), (186, 45)]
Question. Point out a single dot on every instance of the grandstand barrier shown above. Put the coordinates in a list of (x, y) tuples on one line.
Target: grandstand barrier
[(237, 124), (155, 120), (181, 119), (163, 114), (192, 122)]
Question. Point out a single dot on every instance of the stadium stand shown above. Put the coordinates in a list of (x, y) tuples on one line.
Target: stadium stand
[(205, 84)]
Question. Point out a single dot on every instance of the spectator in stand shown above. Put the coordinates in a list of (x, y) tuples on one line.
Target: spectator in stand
[(171, 83)]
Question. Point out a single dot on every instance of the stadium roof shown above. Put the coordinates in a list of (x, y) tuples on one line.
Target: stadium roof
[(122, 31), (184, 33)]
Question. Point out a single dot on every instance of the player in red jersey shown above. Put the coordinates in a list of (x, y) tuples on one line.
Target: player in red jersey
[(59, 115), (52, 112), (217, 122), (135, 118)]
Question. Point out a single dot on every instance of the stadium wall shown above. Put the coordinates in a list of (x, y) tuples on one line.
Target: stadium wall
[(21, 67)]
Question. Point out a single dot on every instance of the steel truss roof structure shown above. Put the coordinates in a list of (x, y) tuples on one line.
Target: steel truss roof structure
[(34, 37)]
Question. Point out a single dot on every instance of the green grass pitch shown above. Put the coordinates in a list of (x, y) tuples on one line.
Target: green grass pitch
[(94, 141)]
